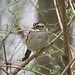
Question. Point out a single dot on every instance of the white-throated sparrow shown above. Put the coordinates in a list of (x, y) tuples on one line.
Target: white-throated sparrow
[(36, 39)]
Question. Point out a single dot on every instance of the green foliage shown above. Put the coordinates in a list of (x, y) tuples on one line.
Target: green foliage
[(10, 11), (37, 69), (49, 32), (57, 66), (62, 36), (68, 13), (0, 51), (51, 50), (8, 27), (37, 6), (52, 72), (24, 73), (43, 53), (23, 40), (30, 66), (13, 28), (49, 55), (18, 60), (15, 12), (51, 63), (1, 36), (26, 66)]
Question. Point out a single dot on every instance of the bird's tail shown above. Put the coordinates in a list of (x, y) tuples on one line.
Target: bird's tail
[(27, 54)]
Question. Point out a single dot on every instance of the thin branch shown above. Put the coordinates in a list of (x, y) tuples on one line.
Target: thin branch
[(22, 69), (5, 54), (9, 5), (39, 12), (70, 8), (68, 66), (4, 70), (2, 58), (58, 11)]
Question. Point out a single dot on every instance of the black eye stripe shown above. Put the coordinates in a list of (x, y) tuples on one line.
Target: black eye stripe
[(38, 26), (36, 23)]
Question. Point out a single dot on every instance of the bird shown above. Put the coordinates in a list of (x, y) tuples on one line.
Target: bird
[(36, 39)]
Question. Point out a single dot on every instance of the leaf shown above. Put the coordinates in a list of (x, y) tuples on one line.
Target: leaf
[(16, 12), (49, 32), (51, 50), (62, 36), (58, 67), (10, 11), (38, 69), (0, 51), (52, 72), (24, 73), (49, 55), (18, 59), (46, 29), (8, 27), (68, 12), (15, 9), (26, 66), (51, 63), (43, 53), (37, 6), (35, 69), (30, 66), (13, 28), (1, 36), (69, 17), (23, 40)]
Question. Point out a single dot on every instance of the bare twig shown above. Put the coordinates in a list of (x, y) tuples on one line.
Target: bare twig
[(58, 11), (4, 70), (20, 68), (39, 12), (68, 66), (5, 54), (9, 5)]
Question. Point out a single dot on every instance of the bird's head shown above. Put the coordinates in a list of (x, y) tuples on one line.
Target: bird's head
[(38, 25)]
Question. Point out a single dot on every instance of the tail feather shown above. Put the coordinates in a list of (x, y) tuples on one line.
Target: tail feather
[(27, 54)]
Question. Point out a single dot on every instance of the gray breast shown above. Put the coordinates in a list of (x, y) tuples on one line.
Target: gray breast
[(36, 40)]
